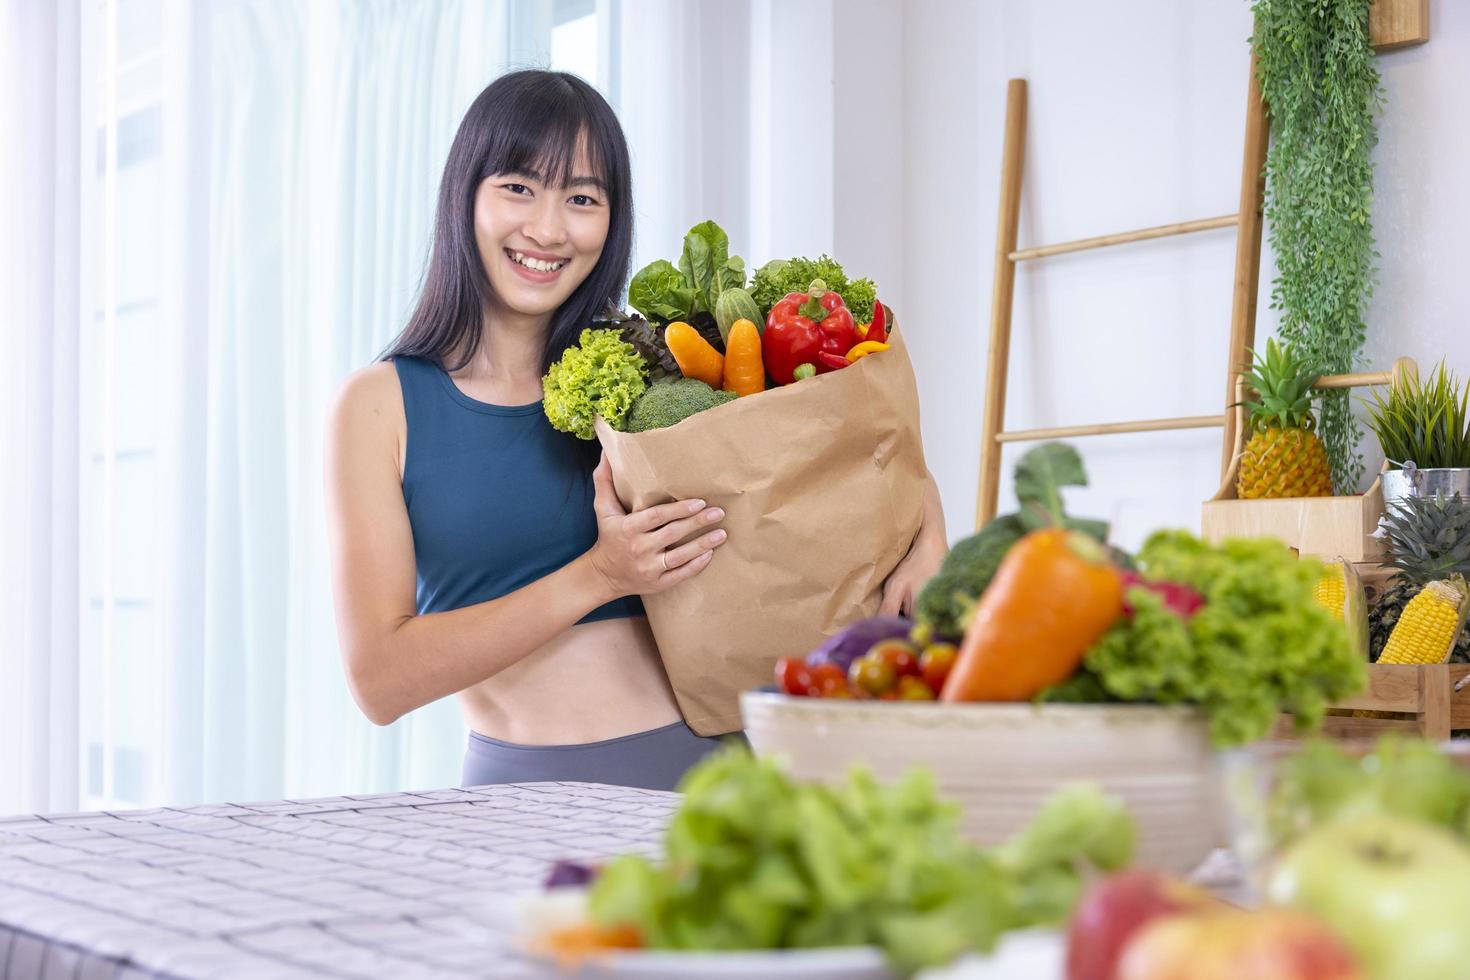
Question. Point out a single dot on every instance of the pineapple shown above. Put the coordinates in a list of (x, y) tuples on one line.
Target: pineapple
[(1284, 457), (1428, 539)]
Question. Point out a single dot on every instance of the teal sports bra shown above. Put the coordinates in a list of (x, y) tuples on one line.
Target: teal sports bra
[(496, 497)]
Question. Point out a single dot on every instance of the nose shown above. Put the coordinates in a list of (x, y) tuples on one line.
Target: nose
[(544, 225)]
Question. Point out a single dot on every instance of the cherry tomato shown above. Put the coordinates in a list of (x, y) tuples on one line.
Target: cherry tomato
[(872, 674), (911, 688), (899, 655), (828, 681), (794, 677), (936, 662)]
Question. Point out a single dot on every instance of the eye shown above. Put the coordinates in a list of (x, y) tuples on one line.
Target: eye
[(584, 200), (516, 188)]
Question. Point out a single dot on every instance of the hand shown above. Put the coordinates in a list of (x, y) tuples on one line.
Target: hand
[(635, 552), (908, 578)]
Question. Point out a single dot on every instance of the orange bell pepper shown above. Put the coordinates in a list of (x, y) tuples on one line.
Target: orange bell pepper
[(1052, 598)]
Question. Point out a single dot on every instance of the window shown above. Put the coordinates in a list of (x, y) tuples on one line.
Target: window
[(121, 697)]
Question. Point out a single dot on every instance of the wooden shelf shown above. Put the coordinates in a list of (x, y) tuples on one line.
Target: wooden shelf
[(1398, 23)]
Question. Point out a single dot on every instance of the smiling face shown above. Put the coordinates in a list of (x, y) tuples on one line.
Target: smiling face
[(539, 241)]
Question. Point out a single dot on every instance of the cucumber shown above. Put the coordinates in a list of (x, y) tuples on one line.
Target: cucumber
[(736, 304)]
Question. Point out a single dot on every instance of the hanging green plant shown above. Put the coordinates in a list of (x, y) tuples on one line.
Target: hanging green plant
[(1319, 79)]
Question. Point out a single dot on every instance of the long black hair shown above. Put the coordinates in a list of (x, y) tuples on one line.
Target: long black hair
[(530, 121)]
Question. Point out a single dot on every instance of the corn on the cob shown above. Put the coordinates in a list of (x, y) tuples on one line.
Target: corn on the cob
[(1426, 631), (1331, 591)]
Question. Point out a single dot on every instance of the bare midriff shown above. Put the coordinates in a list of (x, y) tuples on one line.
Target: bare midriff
[(596, 681)]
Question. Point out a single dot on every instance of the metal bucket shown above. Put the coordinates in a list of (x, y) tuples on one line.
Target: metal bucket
[(1414, 482)]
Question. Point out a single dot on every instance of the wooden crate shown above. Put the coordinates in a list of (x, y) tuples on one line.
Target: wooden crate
[(1425, 691)]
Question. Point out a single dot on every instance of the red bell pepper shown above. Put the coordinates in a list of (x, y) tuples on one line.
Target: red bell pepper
[(803, 325)]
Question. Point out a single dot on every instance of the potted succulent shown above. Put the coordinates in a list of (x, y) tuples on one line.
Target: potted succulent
[(1423, 428)]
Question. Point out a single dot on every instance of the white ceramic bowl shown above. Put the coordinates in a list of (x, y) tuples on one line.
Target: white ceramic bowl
[(999, 762)]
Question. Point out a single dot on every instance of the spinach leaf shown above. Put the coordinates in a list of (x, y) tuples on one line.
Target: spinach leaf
[(660, 292)]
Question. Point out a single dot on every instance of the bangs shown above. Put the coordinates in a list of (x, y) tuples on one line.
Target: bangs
[(541, 135)]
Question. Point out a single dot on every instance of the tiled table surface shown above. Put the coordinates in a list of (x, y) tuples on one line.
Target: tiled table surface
[(373, 886)]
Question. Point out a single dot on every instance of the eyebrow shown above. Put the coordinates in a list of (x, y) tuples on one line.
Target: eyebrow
[(574, 182)]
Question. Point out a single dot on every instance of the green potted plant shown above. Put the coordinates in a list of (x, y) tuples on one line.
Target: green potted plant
[(1423, 428)]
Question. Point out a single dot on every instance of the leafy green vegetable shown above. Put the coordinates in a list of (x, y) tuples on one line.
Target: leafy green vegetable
[(944, 604), (647, 339), (1260, 645), (660, 292), (757, 861), (663, 292), (602, 375), (663, 405), (1401, 777), (777, 278)]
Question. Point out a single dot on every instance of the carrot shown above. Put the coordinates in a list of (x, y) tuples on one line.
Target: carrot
[(1053, 596), (744, 372), (697, 359)]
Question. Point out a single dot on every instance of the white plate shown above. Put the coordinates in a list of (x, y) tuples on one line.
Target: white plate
[(512, 919)]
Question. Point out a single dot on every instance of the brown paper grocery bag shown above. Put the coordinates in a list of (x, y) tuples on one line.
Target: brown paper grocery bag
[(822, 483)]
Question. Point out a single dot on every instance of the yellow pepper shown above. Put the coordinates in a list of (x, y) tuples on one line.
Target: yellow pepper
[(865, 348)]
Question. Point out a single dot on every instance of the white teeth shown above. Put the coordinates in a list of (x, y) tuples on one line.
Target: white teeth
[(537, 265)]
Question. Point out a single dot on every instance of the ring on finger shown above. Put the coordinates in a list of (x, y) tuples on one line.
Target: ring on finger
[(663, 557)]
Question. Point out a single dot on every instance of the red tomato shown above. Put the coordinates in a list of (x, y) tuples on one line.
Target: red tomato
[(872, 674), (828, 681), (794, 677), (935, 664), (899, 655)]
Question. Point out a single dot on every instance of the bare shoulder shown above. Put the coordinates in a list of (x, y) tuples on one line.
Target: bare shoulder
[(367, 411)]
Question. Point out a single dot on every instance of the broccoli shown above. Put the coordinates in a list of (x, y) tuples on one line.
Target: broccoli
[(943, 606), (663, 405)]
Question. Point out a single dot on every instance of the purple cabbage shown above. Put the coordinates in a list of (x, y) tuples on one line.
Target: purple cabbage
[(857, 639)]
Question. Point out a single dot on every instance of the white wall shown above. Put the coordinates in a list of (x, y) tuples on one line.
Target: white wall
[(1136, 119)]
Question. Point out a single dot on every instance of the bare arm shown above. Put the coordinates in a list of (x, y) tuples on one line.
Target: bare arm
[(397, 660)]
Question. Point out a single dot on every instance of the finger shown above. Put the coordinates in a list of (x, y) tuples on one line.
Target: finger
[(685, 571), (659, 515), (675, 531), (685, 553), (892, 599), (605, 502)]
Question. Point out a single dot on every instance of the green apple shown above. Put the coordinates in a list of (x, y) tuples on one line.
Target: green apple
[(1398, 891)]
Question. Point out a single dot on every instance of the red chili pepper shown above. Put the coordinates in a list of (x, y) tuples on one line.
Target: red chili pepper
[(831, 360), (878, 329), (803, 325)]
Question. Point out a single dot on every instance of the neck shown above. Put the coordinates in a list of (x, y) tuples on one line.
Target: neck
[(511, 344)]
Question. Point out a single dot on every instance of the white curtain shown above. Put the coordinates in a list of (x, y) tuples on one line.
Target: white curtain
[(39, 331), (188, 275), (330, 124)]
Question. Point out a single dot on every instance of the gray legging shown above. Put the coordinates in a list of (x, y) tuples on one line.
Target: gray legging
[(654, 759)]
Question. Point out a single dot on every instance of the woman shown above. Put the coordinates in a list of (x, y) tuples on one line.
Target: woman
[(477, 551)]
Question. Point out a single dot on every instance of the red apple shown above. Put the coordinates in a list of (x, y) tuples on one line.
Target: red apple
[(1114, 909), (1275, 944)]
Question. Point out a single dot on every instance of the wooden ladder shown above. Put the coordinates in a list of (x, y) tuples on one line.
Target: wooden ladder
[(1392, 24), (1246, 221)]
